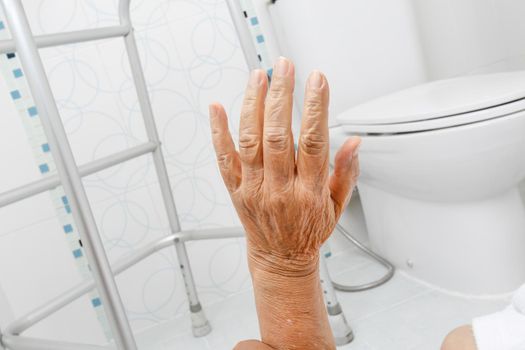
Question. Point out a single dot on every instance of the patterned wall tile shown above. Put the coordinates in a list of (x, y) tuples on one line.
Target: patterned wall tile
[(191, 57)]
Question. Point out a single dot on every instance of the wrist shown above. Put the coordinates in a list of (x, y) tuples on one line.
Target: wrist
[(289, 301), (286, 265)]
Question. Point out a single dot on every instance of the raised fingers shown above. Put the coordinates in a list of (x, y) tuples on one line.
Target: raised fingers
[(313, 149), (278, 147), (227, 157), (346, 172), (251, 127)]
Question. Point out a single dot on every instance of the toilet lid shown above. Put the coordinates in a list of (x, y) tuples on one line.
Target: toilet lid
[(440, 104)]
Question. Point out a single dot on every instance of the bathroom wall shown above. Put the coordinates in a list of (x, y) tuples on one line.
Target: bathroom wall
[(191, 57)]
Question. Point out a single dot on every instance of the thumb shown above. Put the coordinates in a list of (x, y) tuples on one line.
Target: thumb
[(346, 172)]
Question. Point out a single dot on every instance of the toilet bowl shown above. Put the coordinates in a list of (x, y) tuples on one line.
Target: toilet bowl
[(440, 168)]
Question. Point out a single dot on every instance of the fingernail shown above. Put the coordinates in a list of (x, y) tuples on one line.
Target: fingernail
[(282, 66), (255, 78), (315, 80)]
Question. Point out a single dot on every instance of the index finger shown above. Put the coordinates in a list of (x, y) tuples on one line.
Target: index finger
[(313, 149)]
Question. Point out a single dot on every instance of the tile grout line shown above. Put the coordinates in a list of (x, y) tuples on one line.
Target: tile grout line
[(393, 306)]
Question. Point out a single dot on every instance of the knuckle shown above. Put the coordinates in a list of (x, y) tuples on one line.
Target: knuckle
[(314, 106), (216, 133), (278, 93), (279, 201), (275, 111), (277, 138), (249, 106), (248, 141), (224, 161), (313, 143), (247, 203), (279, 89)]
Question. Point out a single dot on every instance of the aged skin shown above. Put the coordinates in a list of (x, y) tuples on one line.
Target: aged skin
[(287, 202)]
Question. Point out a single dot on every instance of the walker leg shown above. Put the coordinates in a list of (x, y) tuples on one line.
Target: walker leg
[(69, 173), (200, 325), (343, 334)]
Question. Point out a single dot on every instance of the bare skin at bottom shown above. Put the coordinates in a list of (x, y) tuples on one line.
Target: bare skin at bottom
[(461, 338)]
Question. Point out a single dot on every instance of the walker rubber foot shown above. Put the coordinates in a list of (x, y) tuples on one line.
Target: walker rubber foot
[(343, 334), (199, 324)]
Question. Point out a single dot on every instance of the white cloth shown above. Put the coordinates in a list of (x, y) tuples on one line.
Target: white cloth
[(504, 330)]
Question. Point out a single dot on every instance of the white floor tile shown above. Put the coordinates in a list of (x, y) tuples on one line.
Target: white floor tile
[(400, 315)]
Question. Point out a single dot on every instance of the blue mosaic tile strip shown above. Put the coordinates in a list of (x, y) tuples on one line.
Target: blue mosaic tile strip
[(12, 72), (17, 73), (258, 36), (96, 302)]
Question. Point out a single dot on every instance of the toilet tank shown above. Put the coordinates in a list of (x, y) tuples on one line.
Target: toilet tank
[(463, 37), (369, 48)]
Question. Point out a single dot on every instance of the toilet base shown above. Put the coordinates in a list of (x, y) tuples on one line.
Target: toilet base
[(473, 247)]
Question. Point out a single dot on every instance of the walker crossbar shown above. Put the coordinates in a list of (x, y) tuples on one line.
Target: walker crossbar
[(58, 39), (52, 181), (51, 306), (24, 343)]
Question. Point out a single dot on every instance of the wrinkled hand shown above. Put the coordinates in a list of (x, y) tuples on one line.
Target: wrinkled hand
[(287, 202)]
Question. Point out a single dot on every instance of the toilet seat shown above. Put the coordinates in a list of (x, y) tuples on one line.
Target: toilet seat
[(439, 104)]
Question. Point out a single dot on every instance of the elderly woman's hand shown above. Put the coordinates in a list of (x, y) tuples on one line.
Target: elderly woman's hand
[(288, 205), (286, 200)]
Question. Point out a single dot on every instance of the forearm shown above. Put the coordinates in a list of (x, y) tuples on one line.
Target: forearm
[(290, 306), (287, 201)]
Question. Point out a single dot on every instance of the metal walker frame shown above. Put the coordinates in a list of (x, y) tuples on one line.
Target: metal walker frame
[(70, 175)]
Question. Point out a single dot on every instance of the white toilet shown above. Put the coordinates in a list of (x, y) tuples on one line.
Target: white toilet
[(440, 168)]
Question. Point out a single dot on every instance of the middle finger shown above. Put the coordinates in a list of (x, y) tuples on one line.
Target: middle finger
[(278, 146)]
